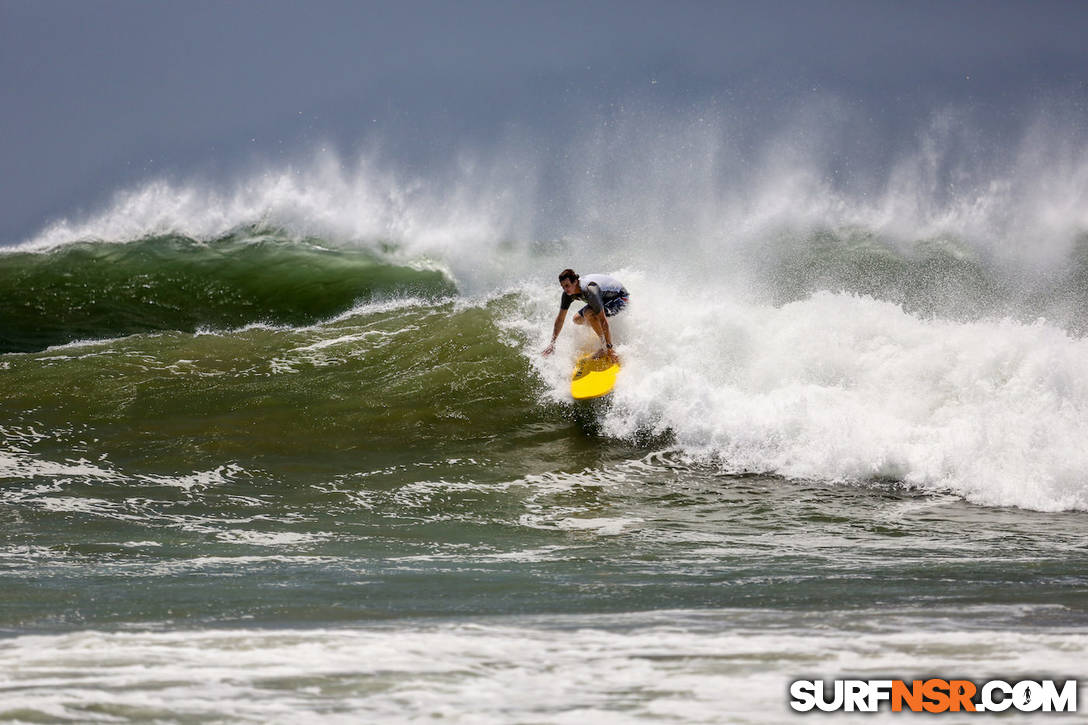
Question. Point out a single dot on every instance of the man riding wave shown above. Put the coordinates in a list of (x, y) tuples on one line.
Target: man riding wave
[(605, 297)]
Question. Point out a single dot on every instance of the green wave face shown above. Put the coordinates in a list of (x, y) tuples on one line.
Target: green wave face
[(388, 385), (95, 290)]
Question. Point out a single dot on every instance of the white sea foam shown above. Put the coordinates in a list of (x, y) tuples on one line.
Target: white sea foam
[(199, 480), (15, 464), (271, 538), (847, 388), (706, 667), (601, 525)]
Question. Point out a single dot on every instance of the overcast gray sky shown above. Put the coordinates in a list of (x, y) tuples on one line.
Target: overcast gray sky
[(99, 95)]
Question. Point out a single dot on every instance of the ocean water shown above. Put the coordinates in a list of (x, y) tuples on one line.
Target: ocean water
[(286, 451)]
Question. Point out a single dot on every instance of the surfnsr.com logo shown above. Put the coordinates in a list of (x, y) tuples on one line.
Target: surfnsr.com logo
[(934, 695)]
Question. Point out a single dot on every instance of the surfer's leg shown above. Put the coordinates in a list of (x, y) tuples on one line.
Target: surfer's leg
[(594, 321), (580, 318)]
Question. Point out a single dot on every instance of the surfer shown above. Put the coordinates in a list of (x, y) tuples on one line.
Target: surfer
[(605, 297)]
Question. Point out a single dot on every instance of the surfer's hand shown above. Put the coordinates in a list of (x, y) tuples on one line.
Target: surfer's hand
[(548, 350)]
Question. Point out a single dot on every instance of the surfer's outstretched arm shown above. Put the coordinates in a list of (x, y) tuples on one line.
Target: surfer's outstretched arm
[(555, 331)]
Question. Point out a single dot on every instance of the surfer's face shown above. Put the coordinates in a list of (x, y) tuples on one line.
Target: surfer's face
[(569, 287)]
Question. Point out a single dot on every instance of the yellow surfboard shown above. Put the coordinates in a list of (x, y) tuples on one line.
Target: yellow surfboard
[(593, 378)]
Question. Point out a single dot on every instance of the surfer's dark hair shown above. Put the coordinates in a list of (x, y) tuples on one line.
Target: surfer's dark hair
[(568, 274)]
